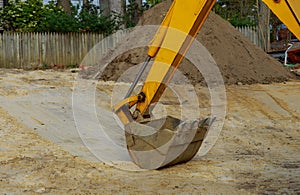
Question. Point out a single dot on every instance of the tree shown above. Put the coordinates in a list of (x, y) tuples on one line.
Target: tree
[(118, 7), (133, 13), (85, 4), (56, 19), (264, 24), (247, 13), (91, 20), (128, 14), (150, 3), (237, 12), (274, 23), (21, 15), (5, 3), (66, 5), (32, 15), (139, 3), (104, 7)]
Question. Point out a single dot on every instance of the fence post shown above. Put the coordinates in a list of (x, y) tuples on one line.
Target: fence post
[(1, 50)]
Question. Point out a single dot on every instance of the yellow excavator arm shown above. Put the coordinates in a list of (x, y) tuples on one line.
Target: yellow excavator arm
[(171, 42), (288, 11), (165, 146)]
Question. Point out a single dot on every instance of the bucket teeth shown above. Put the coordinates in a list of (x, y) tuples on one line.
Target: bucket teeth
[(166, 141)]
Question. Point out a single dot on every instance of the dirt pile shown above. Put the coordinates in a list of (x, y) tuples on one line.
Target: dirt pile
[(238, 59)]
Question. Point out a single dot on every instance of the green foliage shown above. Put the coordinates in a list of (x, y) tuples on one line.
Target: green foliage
[(33, 16), (237, 12), (91, 20), (54, 19), (132, 15), (151, 3), (23, 15), (72, 66), (44, 66)]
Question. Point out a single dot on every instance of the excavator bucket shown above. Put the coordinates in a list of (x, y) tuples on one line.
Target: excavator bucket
[(165, 142)]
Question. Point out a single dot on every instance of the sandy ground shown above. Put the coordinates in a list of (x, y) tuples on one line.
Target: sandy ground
[(257, 152)]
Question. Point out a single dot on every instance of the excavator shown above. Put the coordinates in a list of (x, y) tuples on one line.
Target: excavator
[(169, 141)]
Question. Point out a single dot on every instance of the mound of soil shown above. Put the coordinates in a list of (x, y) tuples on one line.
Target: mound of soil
[(238, 59)]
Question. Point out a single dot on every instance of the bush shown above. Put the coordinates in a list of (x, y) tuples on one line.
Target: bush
[(33, 16)]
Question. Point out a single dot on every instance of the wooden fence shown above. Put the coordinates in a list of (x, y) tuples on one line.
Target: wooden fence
[(40, 50), (252, 34)]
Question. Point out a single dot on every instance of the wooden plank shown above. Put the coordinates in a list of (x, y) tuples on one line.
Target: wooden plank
[(21, 50), (33, 56), (1, 51), (17, 50), (28, 52), (9, 51), (4, 50)]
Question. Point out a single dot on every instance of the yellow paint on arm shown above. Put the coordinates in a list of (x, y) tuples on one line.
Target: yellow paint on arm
[(288, 11)]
